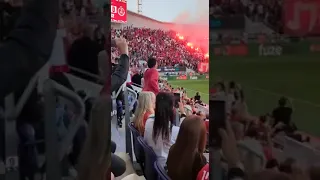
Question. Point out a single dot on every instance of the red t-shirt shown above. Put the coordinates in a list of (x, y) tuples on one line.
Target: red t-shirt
[(145, 117), (204, 173), (151, 77)]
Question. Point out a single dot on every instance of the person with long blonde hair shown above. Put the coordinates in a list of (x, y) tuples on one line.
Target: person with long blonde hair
[(145, 109)]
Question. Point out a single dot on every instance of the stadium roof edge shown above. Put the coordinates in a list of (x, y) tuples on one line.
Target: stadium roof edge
[(142, 16)]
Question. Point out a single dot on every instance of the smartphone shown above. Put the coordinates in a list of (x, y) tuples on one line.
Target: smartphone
[(217, 119), (176, 99)]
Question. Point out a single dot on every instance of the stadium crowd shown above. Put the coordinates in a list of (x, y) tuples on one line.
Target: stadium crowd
[(169, 50), (267, 12)]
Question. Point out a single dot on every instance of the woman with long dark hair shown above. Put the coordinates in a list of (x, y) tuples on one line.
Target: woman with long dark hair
[(186, 157), (158, 128)]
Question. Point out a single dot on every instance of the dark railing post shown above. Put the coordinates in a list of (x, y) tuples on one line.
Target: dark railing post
[(127, 120)]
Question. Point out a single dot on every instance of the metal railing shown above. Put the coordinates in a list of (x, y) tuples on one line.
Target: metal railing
[(54, 157), (11, 112), (114, 96)]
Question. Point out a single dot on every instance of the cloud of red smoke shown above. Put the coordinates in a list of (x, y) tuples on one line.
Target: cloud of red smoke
[(195, 26)]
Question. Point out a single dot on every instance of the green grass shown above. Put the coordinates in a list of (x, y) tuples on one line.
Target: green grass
[(266, 79), (193, 86)]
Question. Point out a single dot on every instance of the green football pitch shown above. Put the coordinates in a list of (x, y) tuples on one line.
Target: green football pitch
[(193, 86), (266, 79)]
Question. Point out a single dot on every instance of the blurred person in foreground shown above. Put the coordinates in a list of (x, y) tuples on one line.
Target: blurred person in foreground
[(186, 158), (84, 56), (96, 157), (28, 47), (151, 77)]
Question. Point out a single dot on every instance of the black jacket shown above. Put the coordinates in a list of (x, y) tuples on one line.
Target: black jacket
[(120, 74), (29, 45)]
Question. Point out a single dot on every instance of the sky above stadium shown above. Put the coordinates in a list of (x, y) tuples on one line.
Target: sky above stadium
[(171, 10)]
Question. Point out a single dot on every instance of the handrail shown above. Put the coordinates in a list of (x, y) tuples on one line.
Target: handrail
[(137, 85), (60, 90), (54, 157), (98, 78)]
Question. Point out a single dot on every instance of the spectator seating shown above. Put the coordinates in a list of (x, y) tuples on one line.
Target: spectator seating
[(162, 173), (138, 149), (150, 159)]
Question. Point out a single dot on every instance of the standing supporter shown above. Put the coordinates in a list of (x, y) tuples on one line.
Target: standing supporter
[(186, 158), (197, 97), (283, 112), (151, 77), (158, 129), (144, 110)]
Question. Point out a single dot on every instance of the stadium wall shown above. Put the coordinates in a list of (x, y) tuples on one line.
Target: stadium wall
[(138, 20), (141, 21)]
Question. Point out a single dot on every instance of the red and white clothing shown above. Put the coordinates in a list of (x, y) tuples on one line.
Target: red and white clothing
[(204, 173), (151, 77)]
